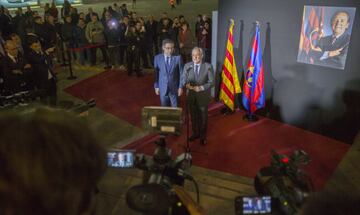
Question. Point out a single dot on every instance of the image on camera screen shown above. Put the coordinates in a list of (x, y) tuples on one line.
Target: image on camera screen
[(120, 159), (257, 205)]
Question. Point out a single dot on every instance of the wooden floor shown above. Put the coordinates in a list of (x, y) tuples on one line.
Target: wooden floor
[(217, 189)]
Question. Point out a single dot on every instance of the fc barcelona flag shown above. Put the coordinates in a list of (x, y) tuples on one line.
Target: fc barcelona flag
[(253, 90), (230, 82)]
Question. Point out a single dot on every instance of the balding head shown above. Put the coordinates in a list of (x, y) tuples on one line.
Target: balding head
[(197, 55)]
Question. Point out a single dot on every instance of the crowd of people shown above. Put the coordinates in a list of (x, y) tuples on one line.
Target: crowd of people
[(30, 42)]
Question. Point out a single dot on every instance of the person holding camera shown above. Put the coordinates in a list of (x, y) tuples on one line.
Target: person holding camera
[(144, 41), (199, 78), (50, 163), (112, 34), (133, 38)]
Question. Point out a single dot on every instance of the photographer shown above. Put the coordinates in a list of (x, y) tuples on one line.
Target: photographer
[(133, 56), (43, 75), (50, 163), (112, 34), (144, 40)]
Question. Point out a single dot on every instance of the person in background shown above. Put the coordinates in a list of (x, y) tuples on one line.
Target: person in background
[(14, 37), (81, 42), (15, 70), (50, 161), (204, 38), (74, 15), (66, 9), (54, 11), (89, 15), (112, 34), (95, 36), (186, 41), (123, 26), (151, 27), (43, 76), (141, 30), (50, 32), (133, 50)]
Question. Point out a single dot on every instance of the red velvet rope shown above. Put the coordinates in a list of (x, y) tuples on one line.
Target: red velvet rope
[(89, 46)]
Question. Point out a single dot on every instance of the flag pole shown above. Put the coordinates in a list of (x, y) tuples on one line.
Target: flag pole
[(249, 116)]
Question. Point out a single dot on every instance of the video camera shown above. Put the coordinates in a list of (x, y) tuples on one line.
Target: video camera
[(161, 173), (283, 183), (22, 98)]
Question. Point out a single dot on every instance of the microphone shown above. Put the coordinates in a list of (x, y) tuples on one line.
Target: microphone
[(191, 67)]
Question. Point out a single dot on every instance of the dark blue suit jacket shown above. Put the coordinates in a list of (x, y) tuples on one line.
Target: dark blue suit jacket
[(168, 78)]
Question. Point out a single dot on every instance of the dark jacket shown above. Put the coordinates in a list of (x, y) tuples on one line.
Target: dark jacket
[(79, 36), (67, 32), (16, 77), (112, 33), (41, 65)]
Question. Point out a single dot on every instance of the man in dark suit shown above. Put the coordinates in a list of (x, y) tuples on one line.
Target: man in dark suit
[(169, 76), (15, 71), (332, 49), (43, 74), (199, 78)]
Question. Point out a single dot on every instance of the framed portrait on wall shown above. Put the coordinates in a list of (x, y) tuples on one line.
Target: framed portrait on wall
[(325, 35)]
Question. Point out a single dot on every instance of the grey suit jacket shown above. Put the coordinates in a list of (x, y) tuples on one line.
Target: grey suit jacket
[(205, 80)]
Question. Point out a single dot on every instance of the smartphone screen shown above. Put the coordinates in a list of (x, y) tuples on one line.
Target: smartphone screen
[(121, 159), (256, 205)]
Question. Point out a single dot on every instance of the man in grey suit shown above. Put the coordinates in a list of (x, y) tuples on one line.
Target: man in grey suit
[(169, 76), (199, 78)]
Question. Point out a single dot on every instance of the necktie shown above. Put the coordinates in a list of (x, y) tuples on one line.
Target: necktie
[(197, 71), (168, 61), (333, 40)]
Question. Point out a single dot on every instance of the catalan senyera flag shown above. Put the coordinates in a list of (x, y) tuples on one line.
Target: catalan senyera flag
[(253, 89), (230, 81)]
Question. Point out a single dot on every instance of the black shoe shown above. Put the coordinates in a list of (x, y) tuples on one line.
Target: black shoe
[(203, 141), (107, 67), (193, 137)]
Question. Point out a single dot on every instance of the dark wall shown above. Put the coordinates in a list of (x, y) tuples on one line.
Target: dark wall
[(316, 98)]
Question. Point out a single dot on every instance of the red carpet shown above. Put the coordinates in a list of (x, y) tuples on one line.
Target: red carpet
[(118, 94), (235, 146)]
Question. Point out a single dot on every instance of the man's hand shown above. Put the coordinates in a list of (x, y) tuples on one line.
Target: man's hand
[(49, 50), (188, 86), (157, 91), (197, 89), (16, 72), (27, 66), (335, 52), (180, 91)]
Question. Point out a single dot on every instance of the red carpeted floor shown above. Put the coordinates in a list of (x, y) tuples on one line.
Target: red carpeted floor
[(118, 94), (234, 145)]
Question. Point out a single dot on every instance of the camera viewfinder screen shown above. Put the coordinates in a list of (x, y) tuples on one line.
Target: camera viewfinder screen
[(257, 205), (121, 159)]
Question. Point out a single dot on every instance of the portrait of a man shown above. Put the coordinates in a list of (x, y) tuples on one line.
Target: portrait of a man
[(325, 36)]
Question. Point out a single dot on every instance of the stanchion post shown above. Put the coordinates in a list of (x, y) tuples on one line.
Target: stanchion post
[(71, 76)]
